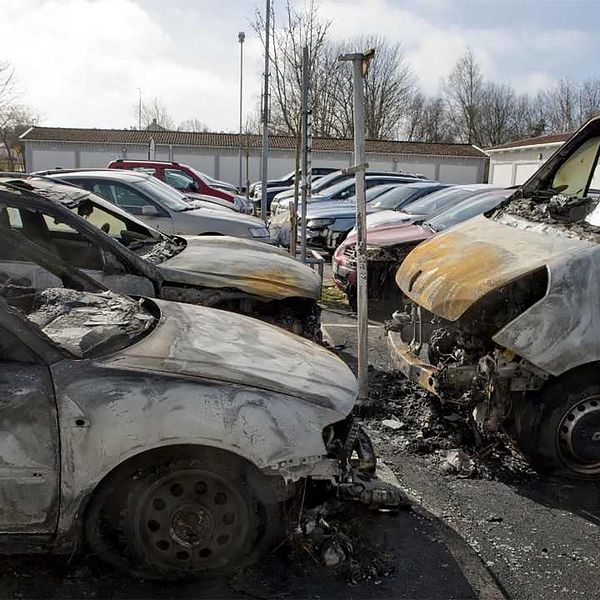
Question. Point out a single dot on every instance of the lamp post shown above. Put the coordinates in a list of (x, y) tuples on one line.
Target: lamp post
[(241, 39), (139, 108)]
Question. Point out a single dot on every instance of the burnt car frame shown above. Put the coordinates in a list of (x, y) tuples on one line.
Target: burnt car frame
[(502, 313), (129, 257), (154, 432)]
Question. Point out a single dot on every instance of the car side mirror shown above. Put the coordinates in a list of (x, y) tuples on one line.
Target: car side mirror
[(193, 186), (149, 211)]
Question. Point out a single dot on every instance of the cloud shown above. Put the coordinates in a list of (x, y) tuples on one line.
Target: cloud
[(80, 62), (508, 52), (85, 59)]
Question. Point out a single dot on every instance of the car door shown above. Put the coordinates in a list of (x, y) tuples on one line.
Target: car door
[(29, 450), (133, 201)]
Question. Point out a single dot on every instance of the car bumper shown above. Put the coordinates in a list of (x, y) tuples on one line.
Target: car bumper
[(410, 365)]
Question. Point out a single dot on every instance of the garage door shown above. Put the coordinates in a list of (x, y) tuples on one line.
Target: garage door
[(525, 171), (502, 174)]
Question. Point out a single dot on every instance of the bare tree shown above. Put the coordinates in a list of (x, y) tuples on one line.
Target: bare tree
[(15, 117), (154, 114), (388, 85), (561, 106), (427, 120), (589, 99), (194, 124), (299, 28), (464, 95)]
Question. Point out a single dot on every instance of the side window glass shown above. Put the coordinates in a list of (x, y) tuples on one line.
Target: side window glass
[(178, 179), (13, 350), (133, 202), (146, 170)]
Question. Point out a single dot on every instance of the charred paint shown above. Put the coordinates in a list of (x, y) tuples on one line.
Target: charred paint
[(451, 272)]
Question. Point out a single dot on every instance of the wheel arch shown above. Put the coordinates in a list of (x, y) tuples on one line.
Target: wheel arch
[(141, 459)]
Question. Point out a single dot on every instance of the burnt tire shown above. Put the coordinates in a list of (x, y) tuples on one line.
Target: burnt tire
[(188, 514), (558, 428)]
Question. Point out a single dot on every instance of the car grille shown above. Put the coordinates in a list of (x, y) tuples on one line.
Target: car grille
[(350, 254)]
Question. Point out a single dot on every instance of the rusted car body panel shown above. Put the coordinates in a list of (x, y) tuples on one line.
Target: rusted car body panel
[(449, 273)]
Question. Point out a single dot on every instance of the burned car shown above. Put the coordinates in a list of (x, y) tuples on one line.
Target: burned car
[(503, 311), (129, 257), (168, 437)]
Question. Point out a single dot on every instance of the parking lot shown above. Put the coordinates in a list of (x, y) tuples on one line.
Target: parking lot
[(537, 536)]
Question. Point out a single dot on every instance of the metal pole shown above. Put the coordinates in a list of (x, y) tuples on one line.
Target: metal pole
[(265, 116), (304, 151), (360, 63), (140, 108), (241, 38)]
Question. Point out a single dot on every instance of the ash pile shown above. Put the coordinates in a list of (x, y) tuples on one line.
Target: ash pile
[(404, 419)]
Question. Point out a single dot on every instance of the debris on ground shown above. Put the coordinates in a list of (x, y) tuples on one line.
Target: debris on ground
[(404, 418), (459, 463), (329, 536)]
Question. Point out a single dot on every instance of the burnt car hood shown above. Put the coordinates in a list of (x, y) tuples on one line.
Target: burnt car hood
[(221, 346), (455, 269), (253, 267)]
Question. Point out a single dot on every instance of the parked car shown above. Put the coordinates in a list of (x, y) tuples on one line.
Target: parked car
[(388, 246), (275, 186), (127, 256), (426, 206), (344, 190), (508, 309), (398, 197), (219, 184), (333, 179), (168, 437), (182, 177), (328, 223), (161, 206), (217, 203)]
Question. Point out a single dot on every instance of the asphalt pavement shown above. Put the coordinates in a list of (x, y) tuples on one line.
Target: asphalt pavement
[(538, 537)]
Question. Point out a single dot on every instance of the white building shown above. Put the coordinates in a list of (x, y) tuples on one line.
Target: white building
[(217, 154), (514, 162)]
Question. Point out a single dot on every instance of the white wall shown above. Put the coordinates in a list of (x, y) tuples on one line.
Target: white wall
[(458, 173), (50, 159), (514, 166), (224, 163)]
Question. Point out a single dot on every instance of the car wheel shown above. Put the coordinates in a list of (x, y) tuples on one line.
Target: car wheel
[(558, 428), (184, 516)]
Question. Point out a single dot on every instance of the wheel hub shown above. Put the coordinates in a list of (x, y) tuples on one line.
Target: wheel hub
[(579, 434), (191, 524), (191, 520)]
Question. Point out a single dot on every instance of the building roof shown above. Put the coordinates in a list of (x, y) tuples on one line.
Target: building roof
[(231, 140), (541, 140)]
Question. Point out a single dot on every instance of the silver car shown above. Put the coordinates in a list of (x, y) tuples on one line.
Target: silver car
[(161, 206)]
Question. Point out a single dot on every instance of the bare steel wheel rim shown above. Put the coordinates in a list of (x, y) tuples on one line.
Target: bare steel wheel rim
[(579, 437), (191, 520)]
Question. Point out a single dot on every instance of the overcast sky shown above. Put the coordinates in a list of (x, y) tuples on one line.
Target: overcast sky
[(80, 62)]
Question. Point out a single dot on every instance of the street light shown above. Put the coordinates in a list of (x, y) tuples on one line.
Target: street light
[(139, 108), (241, 39)]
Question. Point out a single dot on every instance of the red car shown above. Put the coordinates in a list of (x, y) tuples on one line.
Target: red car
[(184, 178), (388, 245)]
